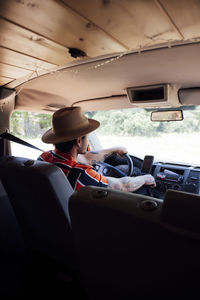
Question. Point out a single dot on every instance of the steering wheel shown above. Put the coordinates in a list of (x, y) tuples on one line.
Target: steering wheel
[(109, 170), (130, 164)]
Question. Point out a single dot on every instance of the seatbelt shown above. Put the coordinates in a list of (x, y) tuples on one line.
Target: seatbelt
[(17, 140)]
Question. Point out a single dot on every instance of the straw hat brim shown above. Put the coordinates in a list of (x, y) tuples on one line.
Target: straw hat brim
[(49, 137)]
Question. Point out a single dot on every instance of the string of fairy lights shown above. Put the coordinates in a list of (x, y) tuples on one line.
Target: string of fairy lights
[(73, 70)]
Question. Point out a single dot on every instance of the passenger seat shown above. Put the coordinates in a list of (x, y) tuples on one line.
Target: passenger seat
[(131, 246)]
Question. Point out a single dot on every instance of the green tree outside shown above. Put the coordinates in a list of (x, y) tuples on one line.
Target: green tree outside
[(124, 122)]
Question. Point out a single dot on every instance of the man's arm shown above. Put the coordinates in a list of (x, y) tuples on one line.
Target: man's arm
[(92, 157), (130, 184)]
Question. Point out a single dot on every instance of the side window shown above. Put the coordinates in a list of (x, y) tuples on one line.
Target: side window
[(30, 127)]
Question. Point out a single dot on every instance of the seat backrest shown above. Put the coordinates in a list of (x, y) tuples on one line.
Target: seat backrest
[(39, 194), (13, 254), (127, 249)]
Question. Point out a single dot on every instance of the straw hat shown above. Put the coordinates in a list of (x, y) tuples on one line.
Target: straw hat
[(68, 124)]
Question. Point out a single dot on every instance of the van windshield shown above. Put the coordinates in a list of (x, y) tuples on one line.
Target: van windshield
[(177, 141)]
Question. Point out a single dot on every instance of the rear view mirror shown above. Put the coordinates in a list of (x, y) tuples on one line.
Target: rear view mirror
[(167, 115)]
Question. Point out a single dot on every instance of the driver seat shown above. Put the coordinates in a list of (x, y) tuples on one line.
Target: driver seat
[(39, 193)]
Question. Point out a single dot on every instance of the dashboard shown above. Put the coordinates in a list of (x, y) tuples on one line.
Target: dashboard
[(175, 177), (167, 175)]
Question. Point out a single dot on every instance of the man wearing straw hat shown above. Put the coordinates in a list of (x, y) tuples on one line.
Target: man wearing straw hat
[(69, 134)]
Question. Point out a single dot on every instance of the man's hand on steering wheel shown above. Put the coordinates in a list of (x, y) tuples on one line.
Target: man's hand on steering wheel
[(120, 150)]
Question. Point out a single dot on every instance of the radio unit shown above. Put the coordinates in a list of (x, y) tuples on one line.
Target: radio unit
[(169, 176)]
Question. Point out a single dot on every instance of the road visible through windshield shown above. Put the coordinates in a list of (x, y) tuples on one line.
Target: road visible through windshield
[(167, 148)]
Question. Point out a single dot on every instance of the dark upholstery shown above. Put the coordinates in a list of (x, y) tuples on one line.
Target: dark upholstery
[(39, 194), (13, 255), (127, 249)]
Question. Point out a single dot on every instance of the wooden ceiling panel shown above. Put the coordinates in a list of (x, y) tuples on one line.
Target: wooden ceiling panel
[(5, 80), (186, 15), (12, 71), (136, 23), (19, 60), (36, 34), (55, 21), (26, 42)]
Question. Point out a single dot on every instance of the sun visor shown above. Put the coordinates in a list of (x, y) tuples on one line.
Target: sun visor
[(161, 95), (189, 96), (34, 100)]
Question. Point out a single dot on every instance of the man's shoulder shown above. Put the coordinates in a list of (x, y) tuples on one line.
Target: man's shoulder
[(83, 166), (44, 154)]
